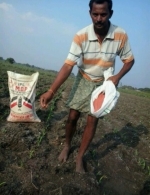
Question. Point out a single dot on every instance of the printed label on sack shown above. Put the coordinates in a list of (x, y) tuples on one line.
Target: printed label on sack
[(22, 97)]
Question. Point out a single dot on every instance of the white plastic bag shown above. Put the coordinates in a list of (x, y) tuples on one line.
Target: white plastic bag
[(110, 100), (22, 97)]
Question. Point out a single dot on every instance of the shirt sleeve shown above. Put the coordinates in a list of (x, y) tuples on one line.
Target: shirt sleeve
[(75, 51), (125, 51)]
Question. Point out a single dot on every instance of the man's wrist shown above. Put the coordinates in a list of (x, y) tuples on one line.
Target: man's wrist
[(52, 91)]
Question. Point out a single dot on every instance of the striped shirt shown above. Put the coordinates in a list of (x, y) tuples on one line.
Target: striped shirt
[(93, 58)]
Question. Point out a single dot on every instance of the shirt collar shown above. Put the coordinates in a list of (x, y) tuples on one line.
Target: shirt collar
[(93, 37)]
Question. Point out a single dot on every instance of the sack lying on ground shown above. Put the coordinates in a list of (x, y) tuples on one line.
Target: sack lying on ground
[(22, 90)]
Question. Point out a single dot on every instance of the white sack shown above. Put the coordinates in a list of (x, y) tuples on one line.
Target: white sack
[(22, 90), (110, 100)]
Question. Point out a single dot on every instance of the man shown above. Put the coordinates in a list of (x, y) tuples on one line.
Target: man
[(94, 50)]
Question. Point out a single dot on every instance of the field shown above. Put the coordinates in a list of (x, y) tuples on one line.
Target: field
[(117, 161)]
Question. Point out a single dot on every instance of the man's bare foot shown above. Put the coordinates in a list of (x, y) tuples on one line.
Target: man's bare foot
[(79, 166), (64, 154)]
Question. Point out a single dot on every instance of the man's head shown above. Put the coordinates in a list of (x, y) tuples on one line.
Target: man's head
[(100, 2), (100, 12)]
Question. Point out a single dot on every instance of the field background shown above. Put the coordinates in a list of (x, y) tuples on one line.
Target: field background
[(117, 161)]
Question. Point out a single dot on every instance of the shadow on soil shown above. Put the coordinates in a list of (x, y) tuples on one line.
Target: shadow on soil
[(128, 136), (146, 188)]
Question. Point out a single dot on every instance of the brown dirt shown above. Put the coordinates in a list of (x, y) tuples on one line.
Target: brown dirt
[(117, 161)]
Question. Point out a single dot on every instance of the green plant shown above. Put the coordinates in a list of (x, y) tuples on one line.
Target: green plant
[(4, 130), (63, 125), (136, 152), (41, 136), (52, 106), (115, 130), (100, 177), (148, 168), (142, 163), (21, 164), (31, 153), (2, 183), (93, 153)]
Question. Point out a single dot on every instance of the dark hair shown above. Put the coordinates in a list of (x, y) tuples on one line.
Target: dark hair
[(100, 2)]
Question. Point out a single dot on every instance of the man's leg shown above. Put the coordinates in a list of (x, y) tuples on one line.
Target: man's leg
[(88, 135), (70, 129)]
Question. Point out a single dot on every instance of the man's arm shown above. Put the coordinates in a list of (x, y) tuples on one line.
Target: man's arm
[(126, 67), (61, 77)]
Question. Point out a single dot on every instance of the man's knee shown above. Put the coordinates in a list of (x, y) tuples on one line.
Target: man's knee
[(73, 117), (92, 121), (72, 121)]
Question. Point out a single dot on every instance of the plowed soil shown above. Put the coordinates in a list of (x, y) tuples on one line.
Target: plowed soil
[(117, 161)]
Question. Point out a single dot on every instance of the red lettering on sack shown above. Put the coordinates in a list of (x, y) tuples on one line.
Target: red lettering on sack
[(22, 117), (22, 88)]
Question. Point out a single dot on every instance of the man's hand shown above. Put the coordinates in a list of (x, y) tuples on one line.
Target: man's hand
[(45, 99), (114, 79), (60, 79)]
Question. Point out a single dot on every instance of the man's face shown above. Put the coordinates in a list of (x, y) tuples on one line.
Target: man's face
[(100, 15)]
